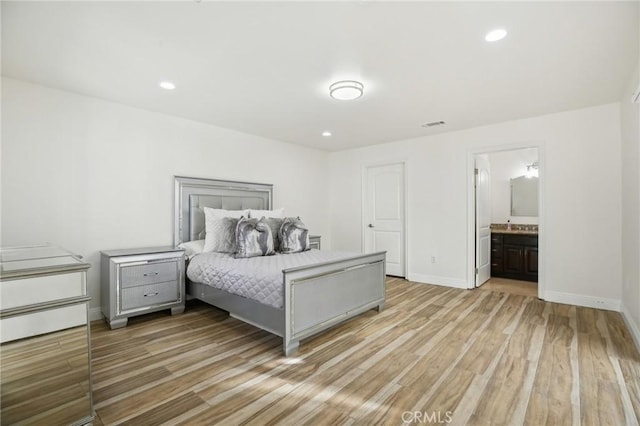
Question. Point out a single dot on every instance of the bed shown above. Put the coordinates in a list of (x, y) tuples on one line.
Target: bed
[(318, 294)]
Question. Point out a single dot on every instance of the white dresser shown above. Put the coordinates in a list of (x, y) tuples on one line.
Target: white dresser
[(44, 333)]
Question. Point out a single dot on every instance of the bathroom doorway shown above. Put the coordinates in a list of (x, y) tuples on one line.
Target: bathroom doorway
[(513, 205)]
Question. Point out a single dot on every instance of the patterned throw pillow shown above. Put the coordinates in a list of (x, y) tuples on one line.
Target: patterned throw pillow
[(220, 235), (253, 238), (294, 236), (224, 232)]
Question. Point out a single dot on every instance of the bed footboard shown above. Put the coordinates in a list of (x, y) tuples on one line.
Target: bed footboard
[(320, 296)]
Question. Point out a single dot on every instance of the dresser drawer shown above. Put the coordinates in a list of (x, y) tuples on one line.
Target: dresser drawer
[(147, 295), (46, 288), (148, 273), (41, 322)]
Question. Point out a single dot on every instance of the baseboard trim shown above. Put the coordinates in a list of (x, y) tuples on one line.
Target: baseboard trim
[(95, 314), (437, 280), (631, 325), (580, 300)]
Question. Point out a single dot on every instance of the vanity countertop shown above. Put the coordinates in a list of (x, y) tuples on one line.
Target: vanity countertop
[(514, 231)]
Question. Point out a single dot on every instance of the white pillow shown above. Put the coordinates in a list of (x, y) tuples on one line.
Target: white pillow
[(191, 248), (213, 237), (258, 214)]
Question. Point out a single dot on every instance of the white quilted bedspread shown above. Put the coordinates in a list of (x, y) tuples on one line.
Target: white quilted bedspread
[(258, 278)]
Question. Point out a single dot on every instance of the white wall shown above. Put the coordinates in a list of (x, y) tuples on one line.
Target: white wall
[(630, 124), (506, 165), (580, 161), (92, 175)]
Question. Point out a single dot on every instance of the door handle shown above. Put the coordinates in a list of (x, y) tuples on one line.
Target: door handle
[(371, 226)]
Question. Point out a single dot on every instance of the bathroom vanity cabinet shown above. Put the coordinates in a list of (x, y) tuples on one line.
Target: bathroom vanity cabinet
[(514, 256)]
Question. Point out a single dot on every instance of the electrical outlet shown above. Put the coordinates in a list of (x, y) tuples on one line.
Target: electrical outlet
[(433, 259)]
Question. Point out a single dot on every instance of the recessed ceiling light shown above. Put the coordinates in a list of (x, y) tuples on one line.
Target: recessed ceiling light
[(167, 85), (326, 134), (495, 35), (346, 90)]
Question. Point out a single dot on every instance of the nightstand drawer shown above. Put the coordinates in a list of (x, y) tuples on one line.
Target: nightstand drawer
[(149, 273), (153, 294), (314, 241)]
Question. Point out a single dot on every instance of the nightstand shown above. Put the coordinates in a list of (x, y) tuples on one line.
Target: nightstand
[(139, 281), (314, 241)]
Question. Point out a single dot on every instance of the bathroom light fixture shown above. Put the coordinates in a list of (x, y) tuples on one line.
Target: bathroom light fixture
[(532, 170), (167, 85), (326, 134), (346, 90), (495, 35)]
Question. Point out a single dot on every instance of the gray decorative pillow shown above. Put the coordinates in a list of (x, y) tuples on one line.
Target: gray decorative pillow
[(253, 238), (221, 235), (216, 233), (275, 223), (294, 236)]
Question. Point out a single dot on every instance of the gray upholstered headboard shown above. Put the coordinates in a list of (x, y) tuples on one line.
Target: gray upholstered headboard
[(192, 194)]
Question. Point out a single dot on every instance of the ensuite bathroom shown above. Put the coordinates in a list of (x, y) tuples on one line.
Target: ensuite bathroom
[(514, 202)]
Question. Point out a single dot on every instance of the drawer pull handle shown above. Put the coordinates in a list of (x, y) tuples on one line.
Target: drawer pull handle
[(151, 294), (150, 274)]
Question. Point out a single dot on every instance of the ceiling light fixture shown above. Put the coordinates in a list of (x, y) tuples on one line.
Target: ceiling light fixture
[(346, 90), (495, 35), (167, 85), (326, 134)]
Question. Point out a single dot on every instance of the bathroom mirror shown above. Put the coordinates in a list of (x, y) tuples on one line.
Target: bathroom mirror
[(524, 196)]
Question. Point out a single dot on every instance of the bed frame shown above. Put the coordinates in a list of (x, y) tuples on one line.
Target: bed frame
[(316, 297)]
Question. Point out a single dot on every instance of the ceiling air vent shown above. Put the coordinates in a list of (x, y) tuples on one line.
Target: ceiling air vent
[(433, 124)]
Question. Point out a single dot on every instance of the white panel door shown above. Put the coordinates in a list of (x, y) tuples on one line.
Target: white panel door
[(483, 219), (384, 215)]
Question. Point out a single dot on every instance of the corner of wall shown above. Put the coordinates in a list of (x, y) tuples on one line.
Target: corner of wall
[(631, 325), (630, 224), (95, 314)]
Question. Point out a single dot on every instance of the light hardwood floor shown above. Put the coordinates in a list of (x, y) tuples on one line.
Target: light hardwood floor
[(472, 357), (45, 379), (505, 285)]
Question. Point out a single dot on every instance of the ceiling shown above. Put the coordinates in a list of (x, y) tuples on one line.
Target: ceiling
[(264, 68)]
